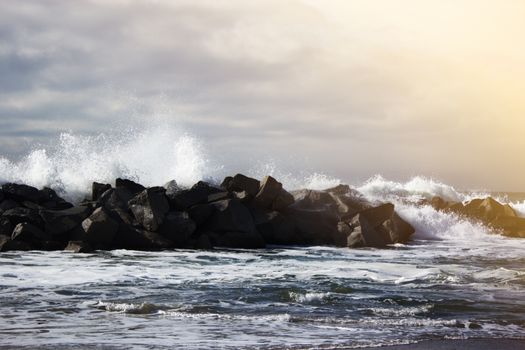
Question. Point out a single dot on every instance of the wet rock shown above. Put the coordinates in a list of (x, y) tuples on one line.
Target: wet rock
[(20, 193), (100, 228), (58, 222), (49, 199), (198, 194), (225, 184), (19, 214), (78, 247), (128, 237), (6, 228), (115, 198), (269, 190), (201, 213), (317, 227), (28, 233), (275, 228), (312, 200), (488, 209), (97, 189), (1, 195), (6, 244), (231, 215), (234, 239), (52, 245), (130, 186), (149, 207), (172, 188), (511, 226), (202, 242), (178, 228), (241, 183), (283, 200), (218, 196), (8, 204)]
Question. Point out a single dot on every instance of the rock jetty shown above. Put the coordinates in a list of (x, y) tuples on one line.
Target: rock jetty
[(241, 212)]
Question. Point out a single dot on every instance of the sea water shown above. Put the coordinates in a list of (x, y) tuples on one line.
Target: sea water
[(455, 279)]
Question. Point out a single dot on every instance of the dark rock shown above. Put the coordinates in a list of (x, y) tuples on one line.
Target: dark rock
[(1, 195), (315, 227), (6, 244), (488, 209), (172, 188), (274, 227), (19, 214), (438, 203), (241, 183), (128, 237), (283, 200), (21, 193), (97, 189), (78, 247), (201, 213), (355, 239), (246, 240), (225, 184), (242, 196), (344, 231), (218, 196), (198, 194), (31, 205), (115, 198), (348, 205), (149, 207), (342, 190), (100, 228), (203, 242), (123, 217), (28, 233), (58, 222), (52, 245), (313, 200), (374, 217), (6, 228), (178, 228), (230, 216), (51, 200), (8, 204), (132, 187), (269, 190)]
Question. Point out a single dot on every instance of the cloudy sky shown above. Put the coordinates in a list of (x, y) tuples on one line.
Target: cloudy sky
[(350, 88)]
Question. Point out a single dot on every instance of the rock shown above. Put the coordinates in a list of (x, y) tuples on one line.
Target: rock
[(201, 213), (225, 184), (214, 197), (511, 226), (178, 228), (6, 228), (245, 240), (172, 188), (350, 204), (274, 227), (316, 227), (198, 194), (97, 189), (203, 242), (78, 247), (487, 209), (438, 203), (115, 198), (355, 239), (19, 214), (21, 193), (283, 200), (1, 195), (242, 196), (344, 231), (269, 190), (149, 207), (313, 200), (231, 215), (52, 245), (128, 237), (8, 204), (58, 222), (100, 228), (132, 187), (28, 233), (6, 244), (241, 183), (49, 199)]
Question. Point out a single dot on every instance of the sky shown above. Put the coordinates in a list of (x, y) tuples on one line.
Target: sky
[(348, 88)]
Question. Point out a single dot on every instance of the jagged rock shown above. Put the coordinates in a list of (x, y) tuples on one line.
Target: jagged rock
[(241, 183), (31, 205), (438, 203), (203, 242), (269, 190), (172, 188), (58, 222), (344, 231), (274, 227), (123, 217), (315, 227), (313, 200), (149, 207), (97, 189), (7, 244), (20, 193), (214, 197), (242, 196), (132, 187), (511, 226), (52, 245), (198, 194), (8, 204), (28, 233), (488, 209), (49, 199), (19, 214), (201, 213), (100, 228), (6, 228), (78, 247), (178, 228), (115, 198), (225, 184), (246, 240), (128, 237), (283, 200)]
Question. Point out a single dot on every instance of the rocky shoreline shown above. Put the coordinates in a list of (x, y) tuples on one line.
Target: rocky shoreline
[(241, 212)]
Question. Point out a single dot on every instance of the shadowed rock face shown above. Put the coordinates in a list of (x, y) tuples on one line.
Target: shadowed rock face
[(488, 211), (242, 213)]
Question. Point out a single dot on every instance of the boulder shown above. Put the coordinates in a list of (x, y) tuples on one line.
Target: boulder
[(115, 198), (6, 228), (178, 228), (511, 226), (488, 209), (129, 237), (230, 215), (274, 227), (313, 200), (202, 242), (269, 190), (97, 189), (78, 247), (1, 195), (20, 193), (187, 198), (28, 233), (149, 207), (201, 213), (130, 186), (58, 222), (241, 183), (100, 229), (172, 188), (19, 214), (49, 199), (283, 200), (7, 244), (225, 184), (219, 196), (234, 239), (316, 227), (8, 204)]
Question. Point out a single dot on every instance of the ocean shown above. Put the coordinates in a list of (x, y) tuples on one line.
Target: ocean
[(455, 279)]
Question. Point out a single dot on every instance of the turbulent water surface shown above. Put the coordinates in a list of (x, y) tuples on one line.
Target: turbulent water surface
[(455, 279)]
